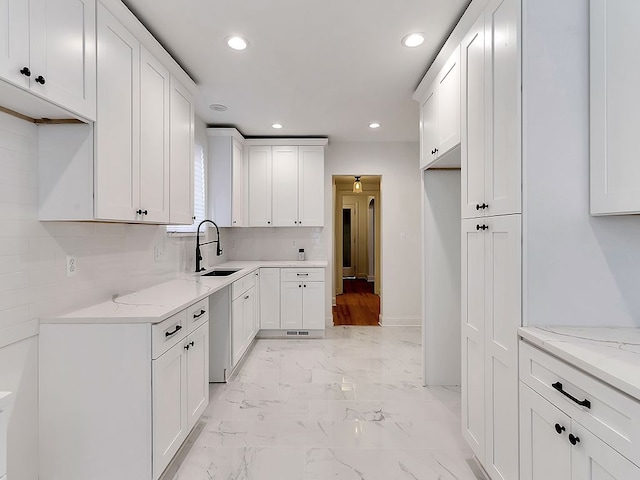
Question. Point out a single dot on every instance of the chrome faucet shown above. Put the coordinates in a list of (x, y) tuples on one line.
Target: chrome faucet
[(217, 242)]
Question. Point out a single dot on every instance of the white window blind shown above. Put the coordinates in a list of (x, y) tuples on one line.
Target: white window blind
[(199, 197)]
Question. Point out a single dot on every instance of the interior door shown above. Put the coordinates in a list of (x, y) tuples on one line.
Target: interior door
[(349, 240)]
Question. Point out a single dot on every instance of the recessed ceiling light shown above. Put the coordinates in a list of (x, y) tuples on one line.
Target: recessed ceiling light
[(277, 125), (237, 43), (218, 107), (374, 125), (413, 40)]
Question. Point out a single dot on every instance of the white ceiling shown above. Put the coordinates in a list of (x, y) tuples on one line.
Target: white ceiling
[(323, 67)]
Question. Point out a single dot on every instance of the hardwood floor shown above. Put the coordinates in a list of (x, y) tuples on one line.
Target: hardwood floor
[(358, 305)]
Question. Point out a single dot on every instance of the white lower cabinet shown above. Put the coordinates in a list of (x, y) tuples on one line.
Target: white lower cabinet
[(572, 426), (125, 395), (302, 299), (269, 298), (243, 316)]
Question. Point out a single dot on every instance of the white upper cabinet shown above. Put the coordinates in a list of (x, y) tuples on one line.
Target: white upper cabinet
[(181, 127), (490, 138), (286, 185), (615, 108), (226, 177), (260, 168), (154, 138), (49, 48), (117, 163), (311, 186), (440, 114)]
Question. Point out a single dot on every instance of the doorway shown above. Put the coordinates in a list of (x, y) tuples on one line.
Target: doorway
[(357, 222)]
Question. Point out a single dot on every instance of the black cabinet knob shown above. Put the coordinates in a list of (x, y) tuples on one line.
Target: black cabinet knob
[(573, 439), (481, 227), (25, 71), (559, 429), (142, 212), (193, 217), (269, 223), (40, 80), (481, 207)]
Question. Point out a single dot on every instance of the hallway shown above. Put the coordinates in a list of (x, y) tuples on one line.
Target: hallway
[(349, 406), (358, 305)]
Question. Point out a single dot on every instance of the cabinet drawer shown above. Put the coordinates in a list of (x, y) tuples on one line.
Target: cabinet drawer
[(245, 283), (610, 414), (197, 314), (167, 333), (305, 274)]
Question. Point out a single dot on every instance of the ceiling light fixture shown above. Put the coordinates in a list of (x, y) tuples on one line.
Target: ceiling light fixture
[(374, 125), (276, 125), (357, 185), (412, 40), (218, 107), (237, 43)]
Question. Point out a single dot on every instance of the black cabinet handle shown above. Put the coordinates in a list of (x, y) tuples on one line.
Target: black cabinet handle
[(25, 71), (198, 315), (573, 439), (299, 286), (177, 329), (481, 227), (305, 286), (247, 297), (302, 274), (40, 80), (192, 343), (436, 150), (559, 429), (268, 223), (142, 212), (295, 221), (186, 347), (582, 403), (481, 207)]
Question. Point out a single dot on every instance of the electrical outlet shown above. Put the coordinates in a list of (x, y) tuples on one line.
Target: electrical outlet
[(72, 267)]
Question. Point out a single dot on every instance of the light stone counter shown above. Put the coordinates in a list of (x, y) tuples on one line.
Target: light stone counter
[(154, 304), (5, 400), (608, 353)]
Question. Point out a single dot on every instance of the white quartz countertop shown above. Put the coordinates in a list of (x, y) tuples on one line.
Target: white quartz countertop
[(5, 400), (608, 353), (154, 304)]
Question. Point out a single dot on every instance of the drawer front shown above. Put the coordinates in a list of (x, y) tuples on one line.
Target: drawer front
[(167, 333), (197, 314), (245, 283), (304, 274), (610, 414)]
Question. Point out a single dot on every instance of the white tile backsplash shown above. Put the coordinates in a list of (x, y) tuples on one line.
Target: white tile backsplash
[(275, 243), (111, 258)]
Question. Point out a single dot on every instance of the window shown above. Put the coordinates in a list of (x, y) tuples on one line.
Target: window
[(199, 196)]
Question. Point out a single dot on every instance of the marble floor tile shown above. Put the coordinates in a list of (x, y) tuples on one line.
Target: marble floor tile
[(348, 406)]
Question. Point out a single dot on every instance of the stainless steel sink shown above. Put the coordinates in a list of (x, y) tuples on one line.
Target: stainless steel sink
[(220, 273)]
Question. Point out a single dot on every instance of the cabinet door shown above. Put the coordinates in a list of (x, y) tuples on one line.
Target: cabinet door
[(502, 317), (291, 305), (473, 141), (63, 38), (269, 298), (237, 330), (503, 166), (181, 154), (285, 186), (249, 315), (614, 107), (169, 405), (593, 459), (14, 41), (545, 451), (473, 332), (429, 128), (237, 200), (259, 186), (313, 305), (154, 139), (449, 104), (311, 186), (117, 130), (197, 374)]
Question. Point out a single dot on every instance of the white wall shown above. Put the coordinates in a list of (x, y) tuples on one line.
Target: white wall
[(442, 295), (398, 164), (579, 270), (111, 258)]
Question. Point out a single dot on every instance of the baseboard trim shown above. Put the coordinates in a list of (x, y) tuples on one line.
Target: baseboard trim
[(399, 321)]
